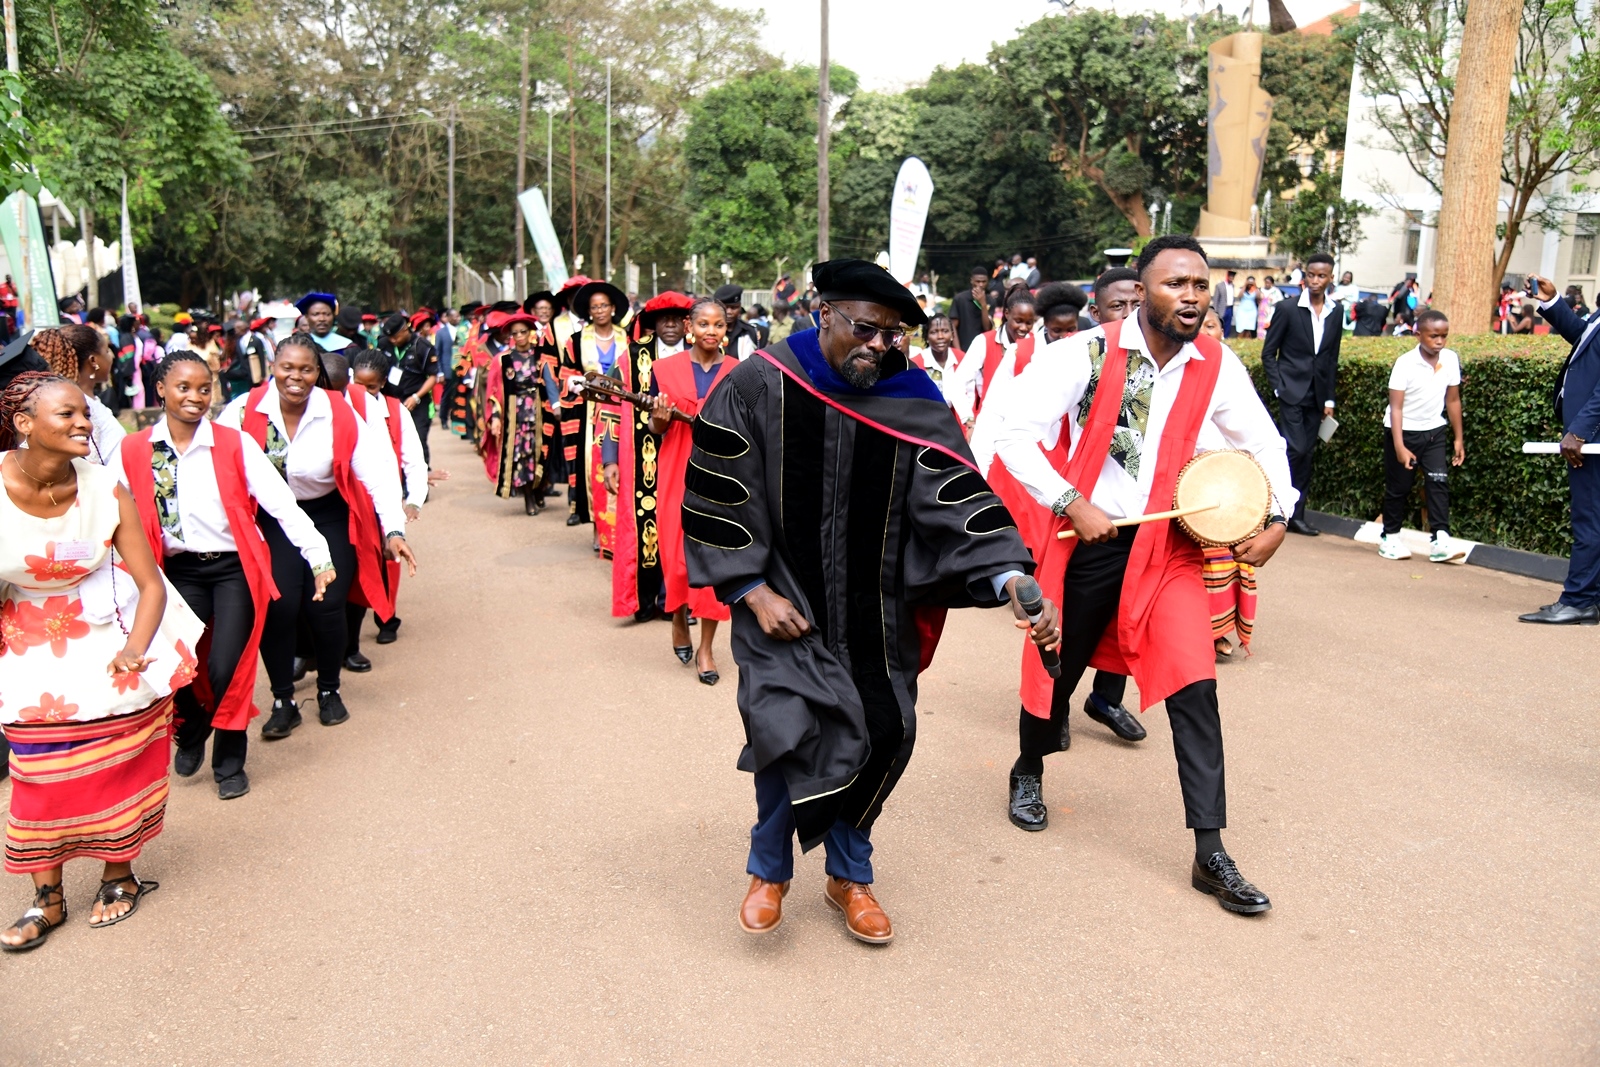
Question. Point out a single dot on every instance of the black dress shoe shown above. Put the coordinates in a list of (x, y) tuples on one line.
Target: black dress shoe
[(573, 520), (233, 786), (302, 664), (1027, 803), (1219, 877), (357, 663), (1559, 614), (389, 632), (187, 761), (330, 708), (284, 718), (1301, 526), (1120, 720)]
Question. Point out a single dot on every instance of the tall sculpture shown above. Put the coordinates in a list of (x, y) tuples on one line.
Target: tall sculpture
[(1239, 114)]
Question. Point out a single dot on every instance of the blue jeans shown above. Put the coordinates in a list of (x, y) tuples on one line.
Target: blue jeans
[(772, 838)]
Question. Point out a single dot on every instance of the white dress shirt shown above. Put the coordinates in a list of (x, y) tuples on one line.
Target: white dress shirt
[(1318, 320), (106, 431), (411, 461), (983, 440), (1053, 385), (203, 521), (308, 464), (967, 379)]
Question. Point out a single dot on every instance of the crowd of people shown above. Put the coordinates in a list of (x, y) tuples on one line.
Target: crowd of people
[(830, 480)]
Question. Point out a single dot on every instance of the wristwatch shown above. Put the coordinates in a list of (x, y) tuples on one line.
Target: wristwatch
[(393, 533), (1065, 501), (1276, 519)]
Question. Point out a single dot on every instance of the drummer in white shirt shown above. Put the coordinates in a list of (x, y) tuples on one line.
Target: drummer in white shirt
[(345, 479)]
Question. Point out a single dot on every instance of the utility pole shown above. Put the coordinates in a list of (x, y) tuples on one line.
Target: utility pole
[(450, 209), (550, 162), (822, 144), (608, 170), (521, 276), (1463, 275), (572, 146)]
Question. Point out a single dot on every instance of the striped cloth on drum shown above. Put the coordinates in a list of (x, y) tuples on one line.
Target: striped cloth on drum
[(94, 789), (1231, 592)]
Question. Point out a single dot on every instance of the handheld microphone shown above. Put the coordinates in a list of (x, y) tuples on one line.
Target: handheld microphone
[(1030, 598)]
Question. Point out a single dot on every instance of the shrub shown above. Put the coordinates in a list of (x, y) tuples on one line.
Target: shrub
[(1498, 496)]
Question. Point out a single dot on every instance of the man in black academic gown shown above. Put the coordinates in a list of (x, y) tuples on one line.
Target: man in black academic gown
[(833, 502)]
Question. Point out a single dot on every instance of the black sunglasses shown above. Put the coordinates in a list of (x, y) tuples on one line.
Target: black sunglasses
[(866, 331)]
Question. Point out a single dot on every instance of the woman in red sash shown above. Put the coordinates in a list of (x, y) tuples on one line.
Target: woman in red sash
[(92, 646), (345, 482), (197, 488), (683, 382)]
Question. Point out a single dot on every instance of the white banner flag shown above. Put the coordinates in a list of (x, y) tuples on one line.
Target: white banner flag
[(545, 241), (130, 269), (908, 214)]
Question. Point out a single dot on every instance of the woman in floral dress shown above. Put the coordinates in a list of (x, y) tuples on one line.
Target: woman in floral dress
[(92, 646), (513, 445)]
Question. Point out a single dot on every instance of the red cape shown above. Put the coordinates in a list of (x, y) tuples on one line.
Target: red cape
[(1162, 633), (358, 400), (675, 378), (237, 707), (367, 589)]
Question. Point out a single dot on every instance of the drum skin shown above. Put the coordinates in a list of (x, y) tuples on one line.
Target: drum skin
[(1236, 482)]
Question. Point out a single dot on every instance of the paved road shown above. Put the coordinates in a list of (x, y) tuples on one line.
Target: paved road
[(527, 846)]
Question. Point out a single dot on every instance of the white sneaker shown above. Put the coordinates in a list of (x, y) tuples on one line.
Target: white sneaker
[(1446, 550), (1391, 547)]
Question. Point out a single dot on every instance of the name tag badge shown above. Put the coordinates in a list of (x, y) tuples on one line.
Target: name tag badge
[(394, 374), (73, 550)]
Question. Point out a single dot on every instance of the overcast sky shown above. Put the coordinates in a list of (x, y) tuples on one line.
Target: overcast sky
[(892, 44)]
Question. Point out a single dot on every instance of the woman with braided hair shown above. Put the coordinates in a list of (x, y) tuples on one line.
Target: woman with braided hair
[(81, 354), (197, 488), (92, 648)]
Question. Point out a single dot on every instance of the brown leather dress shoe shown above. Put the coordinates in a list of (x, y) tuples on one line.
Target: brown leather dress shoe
[(863, 916), (762, 909)]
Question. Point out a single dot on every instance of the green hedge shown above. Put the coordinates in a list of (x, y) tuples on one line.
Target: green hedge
[(1498, 496)]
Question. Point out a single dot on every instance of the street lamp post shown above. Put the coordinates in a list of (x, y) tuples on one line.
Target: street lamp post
[(450, 210), (822, 144), (608, 170)]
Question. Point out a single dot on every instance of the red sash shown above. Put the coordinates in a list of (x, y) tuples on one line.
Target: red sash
[(675, 377), (1163, 591), (236, 708), (358, 401), (367, 539)]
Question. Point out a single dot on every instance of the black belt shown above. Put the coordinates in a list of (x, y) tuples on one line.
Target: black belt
[(204, 557)]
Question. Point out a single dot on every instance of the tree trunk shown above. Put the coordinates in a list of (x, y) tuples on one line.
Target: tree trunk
[(1463, 287)]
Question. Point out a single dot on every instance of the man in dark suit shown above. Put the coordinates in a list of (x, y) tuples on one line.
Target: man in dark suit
[(1577, 398), (1301, 354)]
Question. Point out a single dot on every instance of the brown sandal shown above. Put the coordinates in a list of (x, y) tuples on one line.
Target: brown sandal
[(36, 916)]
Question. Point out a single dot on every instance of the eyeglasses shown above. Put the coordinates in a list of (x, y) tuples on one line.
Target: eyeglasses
[(866, 331)]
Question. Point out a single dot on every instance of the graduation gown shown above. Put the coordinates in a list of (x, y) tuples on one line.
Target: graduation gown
[(864, 509), (636, 575)]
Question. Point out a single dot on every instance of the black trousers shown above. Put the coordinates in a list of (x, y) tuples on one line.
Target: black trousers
[(1299, 423), (216, 591), (1089, 600), (419, 417), (1432, 449), (355, 615), (292, 575)]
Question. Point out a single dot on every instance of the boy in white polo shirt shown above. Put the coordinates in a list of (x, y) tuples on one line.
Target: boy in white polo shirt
[(1424, 403)]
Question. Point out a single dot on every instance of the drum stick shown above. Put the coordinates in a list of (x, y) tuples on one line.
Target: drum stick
[(1152, 517), (1551, 448)]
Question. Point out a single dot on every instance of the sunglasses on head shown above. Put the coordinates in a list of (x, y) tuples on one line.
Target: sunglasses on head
[(866, 331)]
